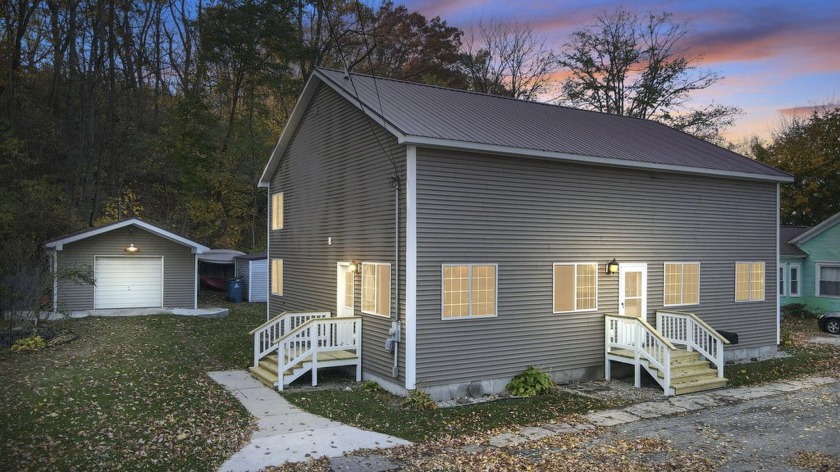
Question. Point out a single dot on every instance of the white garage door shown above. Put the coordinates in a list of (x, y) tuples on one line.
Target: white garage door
[(128, 282)]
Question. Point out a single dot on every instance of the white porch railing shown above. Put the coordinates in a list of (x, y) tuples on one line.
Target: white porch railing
[(267, 334), (319, 335), (692, 332), (628, 333)]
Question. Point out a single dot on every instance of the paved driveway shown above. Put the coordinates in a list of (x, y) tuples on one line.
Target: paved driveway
[(765, 434)]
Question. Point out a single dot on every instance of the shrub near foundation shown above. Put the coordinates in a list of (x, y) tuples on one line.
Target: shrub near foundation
[(529, 383)]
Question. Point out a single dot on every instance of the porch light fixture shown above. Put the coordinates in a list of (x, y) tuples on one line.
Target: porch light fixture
[(131, 249), (612, 267), (354, 267)]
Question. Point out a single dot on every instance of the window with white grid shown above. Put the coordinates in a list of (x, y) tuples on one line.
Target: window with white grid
[(828, 280), (682, 283), (469, 291), (749, 281), (575, 287), (277, 277), (376, 289), (277, 211)]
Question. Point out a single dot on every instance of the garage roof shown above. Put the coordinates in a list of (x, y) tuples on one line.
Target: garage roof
[(58, 244)]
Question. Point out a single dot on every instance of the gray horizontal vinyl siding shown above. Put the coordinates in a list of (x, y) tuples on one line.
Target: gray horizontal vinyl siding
[(178, 266), (525, 215), (335, 178)]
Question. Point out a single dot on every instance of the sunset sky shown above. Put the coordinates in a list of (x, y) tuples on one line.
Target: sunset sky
[(778, 57)]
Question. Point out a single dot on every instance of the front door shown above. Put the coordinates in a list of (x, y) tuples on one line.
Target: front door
[(345, 290), (632, 290)]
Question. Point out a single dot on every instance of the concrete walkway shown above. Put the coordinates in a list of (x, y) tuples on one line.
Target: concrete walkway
[(287, 433), (197, 312)]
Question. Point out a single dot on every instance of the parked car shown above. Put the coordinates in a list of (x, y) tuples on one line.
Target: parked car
[(830, 322)]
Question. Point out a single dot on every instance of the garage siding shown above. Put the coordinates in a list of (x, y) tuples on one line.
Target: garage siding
[(179, 266)]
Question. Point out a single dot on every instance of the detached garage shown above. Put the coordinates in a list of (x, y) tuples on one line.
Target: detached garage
[(135, 265)]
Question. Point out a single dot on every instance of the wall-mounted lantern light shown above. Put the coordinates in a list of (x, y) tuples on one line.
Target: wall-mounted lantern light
[(131, 249), (353, 267), (612, 267)]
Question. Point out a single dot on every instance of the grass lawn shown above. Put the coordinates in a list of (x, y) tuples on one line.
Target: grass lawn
[(128, 394), (133, 394), (383, 412), (805, 359)]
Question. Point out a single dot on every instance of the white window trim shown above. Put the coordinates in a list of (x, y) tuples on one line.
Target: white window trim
[(390, 288), (817, 275), (574, 289), (782, 281), (699, 268), (751, 300), (469, 270), (274, 225), (790, 292), (271, 278)]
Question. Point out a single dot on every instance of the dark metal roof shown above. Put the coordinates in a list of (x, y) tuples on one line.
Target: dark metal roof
[(436, 116), (786, 235)]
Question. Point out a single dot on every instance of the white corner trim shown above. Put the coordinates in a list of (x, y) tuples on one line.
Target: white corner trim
[(411, 268), (195, 281), (778, 262)]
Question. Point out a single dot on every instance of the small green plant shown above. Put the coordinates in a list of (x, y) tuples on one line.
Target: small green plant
[(32, 343), (370, 386), (419, 400), (529, 383)]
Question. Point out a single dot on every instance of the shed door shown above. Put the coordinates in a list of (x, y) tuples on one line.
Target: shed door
[(258, 281), (128, 282)]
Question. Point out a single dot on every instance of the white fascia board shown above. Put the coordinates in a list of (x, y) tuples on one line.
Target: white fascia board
[(606, 161), (816, 230), (58, 244), (411, 268)]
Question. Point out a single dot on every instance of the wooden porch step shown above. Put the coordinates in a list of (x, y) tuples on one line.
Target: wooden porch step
[(691, 386), (267, 378)]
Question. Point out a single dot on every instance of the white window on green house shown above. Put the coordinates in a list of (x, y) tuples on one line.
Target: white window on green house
[(793, 280), (277, 211), (682, 283), (782, 280), (749, 281), (828, 280), (575, 287), (376, 289), (469, 291), (277, 277)]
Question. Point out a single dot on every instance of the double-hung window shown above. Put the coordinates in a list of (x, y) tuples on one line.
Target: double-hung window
[(793, 280), (277, 277), (782, 280), (682, 283), (469, 291), (376, 289), (575, 287), (828, 280), (749, 281), (277, 210)]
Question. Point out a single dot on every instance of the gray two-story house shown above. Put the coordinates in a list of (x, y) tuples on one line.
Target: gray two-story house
[(474, 235)]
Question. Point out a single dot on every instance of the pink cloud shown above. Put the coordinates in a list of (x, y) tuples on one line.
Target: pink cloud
[(804, 111)]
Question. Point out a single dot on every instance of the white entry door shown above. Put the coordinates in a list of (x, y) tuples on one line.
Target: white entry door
[(345, 299), (345, 290), (632, 290)]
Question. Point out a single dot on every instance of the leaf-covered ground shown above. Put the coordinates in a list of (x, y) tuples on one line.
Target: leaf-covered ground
[(128, 394)]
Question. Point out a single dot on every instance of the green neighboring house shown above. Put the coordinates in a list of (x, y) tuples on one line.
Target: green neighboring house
[(809, 265)]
